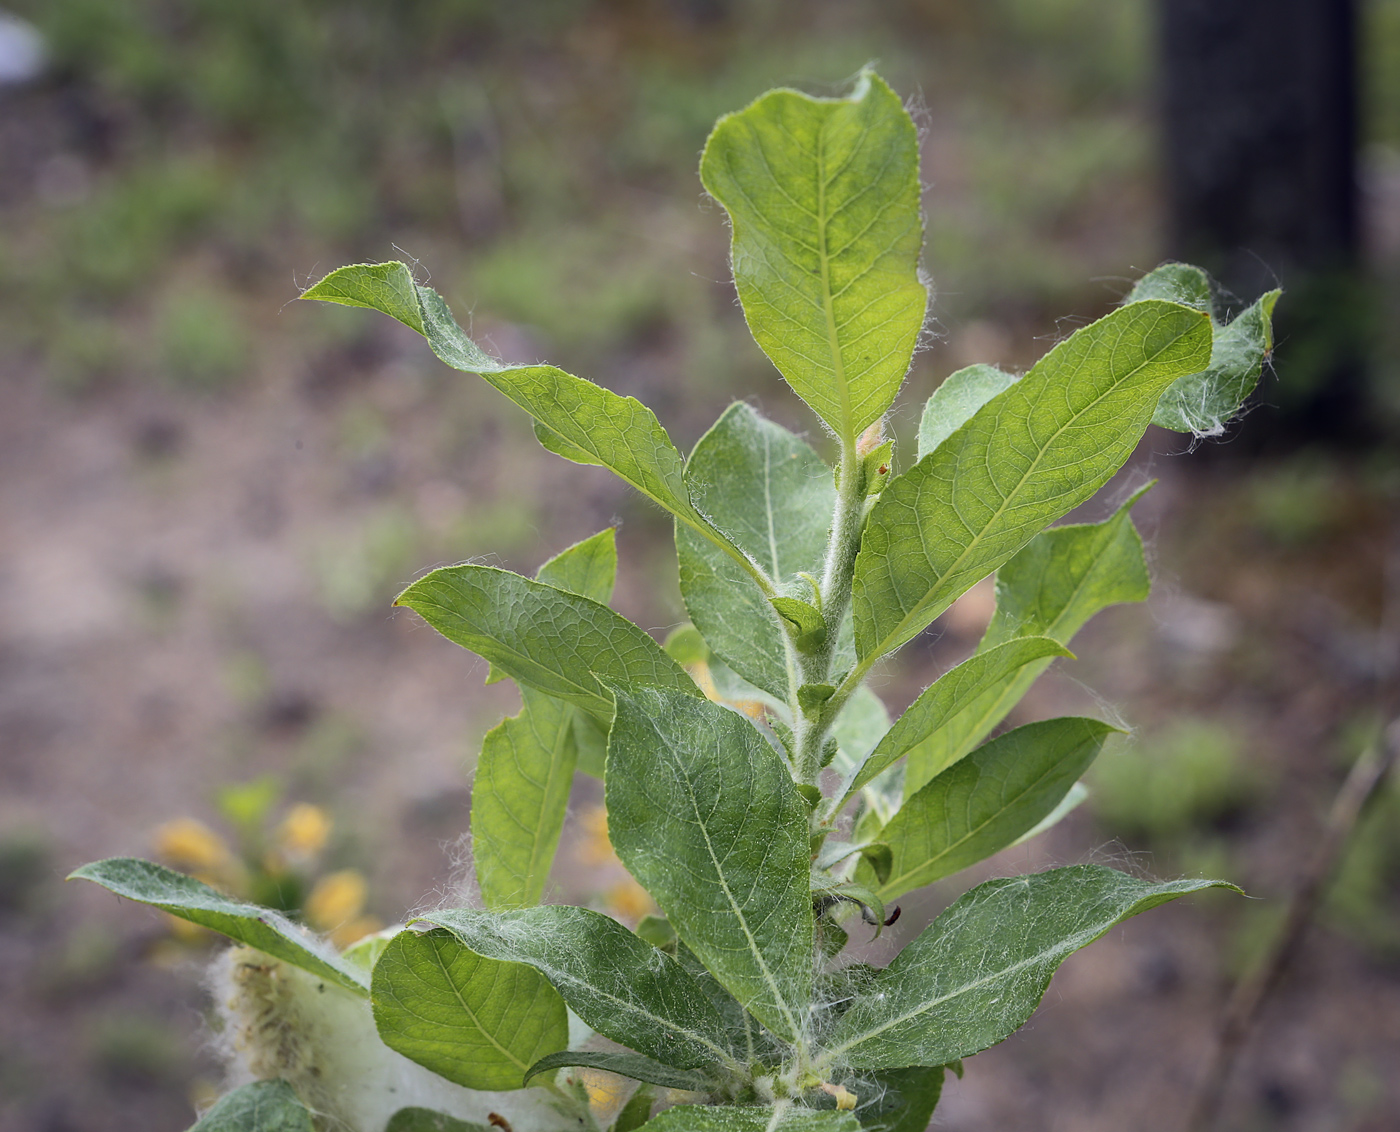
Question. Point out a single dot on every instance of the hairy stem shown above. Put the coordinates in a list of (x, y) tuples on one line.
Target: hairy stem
[(837, 571)]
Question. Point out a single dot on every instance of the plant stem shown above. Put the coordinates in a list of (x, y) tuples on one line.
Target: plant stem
[(1367, 776), (841, 547)]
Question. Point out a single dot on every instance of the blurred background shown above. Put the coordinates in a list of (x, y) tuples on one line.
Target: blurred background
[(209, 494)]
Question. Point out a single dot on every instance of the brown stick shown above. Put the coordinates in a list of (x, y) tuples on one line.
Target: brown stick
[(1366, 777)]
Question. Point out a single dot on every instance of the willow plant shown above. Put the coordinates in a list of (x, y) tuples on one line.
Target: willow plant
[(755, 785)]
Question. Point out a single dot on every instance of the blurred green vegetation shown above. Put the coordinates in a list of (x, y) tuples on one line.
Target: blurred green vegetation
[(1178, 789), (539, 158)]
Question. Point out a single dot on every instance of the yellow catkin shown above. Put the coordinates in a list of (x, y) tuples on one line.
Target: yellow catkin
[(187, 843), (628, 900), (594, 847), (304, 831), (336, 899), (352, 931)]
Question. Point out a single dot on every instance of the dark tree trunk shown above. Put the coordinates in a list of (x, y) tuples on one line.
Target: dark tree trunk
[(1259, 101)]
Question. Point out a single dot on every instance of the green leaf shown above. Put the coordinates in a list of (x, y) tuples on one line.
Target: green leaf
[(526, 767), (588, 568), (858, 729), (550, 639), (657, 931), (875, 468), (1202, 403), (1068, 804), (268, 931), (977, 972), (805, 619), (1175, 283), (619, 984), (591, 739), (861, 725), (478, 1022), (985, 802), (519, 797), (426, 1120), (823, 196), (1029, 455), (955, 401), (747, 1037), (783, 1116), (703, 812), (772, 496), (941, 703), (906, 1099), (263, 1106), (581, 421), (632, 1065), (810, 697), (637, 1110), (1059, 580)]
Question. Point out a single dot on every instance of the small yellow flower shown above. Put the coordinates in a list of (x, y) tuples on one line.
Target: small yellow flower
[(336, 899), (189, 844), (304, 831)]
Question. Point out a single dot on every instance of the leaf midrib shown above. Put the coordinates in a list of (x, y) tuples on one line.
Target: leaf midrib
[(838, 365), (953, 568), (1004, 805), (470, 1013), (679, 503), (558, 974), (1039, 957), (779, 999), (1052, 631), (534, 878), (524, 660)]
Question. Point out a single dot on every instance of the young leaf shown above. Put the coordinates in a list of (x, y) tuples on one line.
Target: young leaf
[(772, 496), (941, 703), (263, 1106), (591, 740), (749, 1040), (476, 1021), (581, 421), (426, 1120), (1030, 454), (189, 899), (619, 984), (906, 1101), (782, 1116), (1059, 580), (632, 1065), (548, 638), (1201, 403), (863, 722), (1068, 804), (953, 403), (823, 195), (519, 797), (705, 815), (527, 763), (977, 972), (985, 802), (588, 568)]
